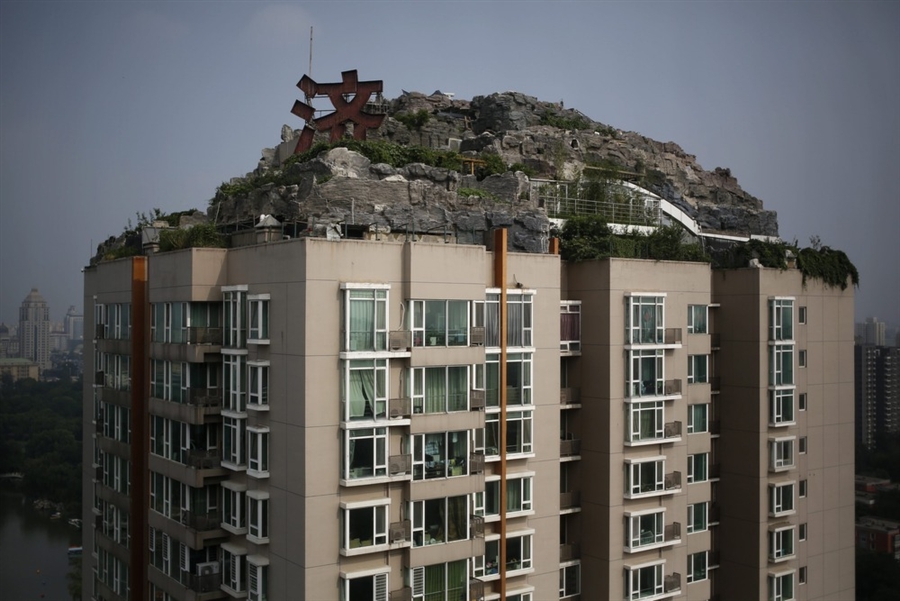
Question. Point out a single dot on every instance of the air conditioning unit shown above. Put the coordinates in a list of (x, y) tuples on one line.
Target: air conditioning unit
[(208, 568), (476, 336)]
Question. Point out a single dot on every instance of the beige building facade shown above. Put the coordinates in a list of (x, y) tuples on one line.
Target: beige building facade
[(378, 420)]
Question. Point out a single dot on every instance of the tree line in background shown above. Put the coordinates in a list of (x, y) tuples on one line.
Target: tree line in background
[(40, 437)]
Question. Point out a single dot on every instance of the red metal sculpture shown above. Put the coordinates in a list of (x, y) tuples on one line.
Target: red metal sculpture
[(349, 98)]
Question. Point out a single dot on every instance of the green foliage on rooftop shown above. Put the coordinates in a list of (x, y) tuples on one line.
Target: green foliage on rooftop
[(414, 120), (563, 121), (831, 266), (203, 235), (589, 237)]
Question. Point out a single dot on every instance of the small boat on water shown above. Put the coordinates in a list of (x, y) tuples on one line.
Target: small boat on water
[(75, 522), (75, 551)]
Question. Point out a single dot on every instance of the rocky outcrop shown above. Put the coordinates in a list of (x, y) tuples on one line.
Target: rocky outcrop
[(546, 139)]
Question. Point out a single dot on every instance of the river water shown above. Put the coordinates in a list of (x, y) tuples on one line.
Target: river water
[(33, 551)]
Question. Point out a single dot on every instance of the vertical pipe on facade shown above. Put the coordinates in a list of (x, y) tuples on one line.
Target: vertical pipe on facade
[(138, 530), (500, 282)]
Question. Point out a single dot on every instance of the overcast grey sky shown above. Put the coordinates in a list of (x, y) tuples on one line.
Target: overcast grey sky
[(111, 108)]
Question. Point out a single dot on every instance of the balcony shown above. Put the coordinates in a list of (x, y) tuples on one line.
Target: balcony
[(570, 447), (476, 399), (672, 583), (399, 408), (203, 397), (672, 388), (399, 465), (403, 594), (672, 532), (672, 430), (204, 335), (477, 524), (570, 500), (673, 336), (201, 522), (476, 463), (673, 481), (650, 539), (569, 552), (400, 532), (204, 459), (476, 590), (570, 396), (202, 583), (476, 336)]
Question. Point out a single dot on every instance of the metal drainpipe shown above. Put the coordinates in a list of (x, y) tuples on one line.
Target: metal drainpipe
[(500, 282), (140, 442)]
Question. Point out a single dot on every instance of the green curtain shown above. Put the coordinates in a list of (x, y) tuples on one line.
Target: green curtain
[(362, 321), (362, 392), (435, 390), (457, 388)]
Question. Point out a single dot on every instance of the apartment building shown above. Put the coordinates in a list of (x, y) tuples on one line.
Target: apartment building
[(378, 420)]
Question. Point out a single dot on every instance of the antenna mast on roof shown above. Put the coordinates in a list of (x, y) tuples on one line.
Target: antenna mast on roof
[(309, 71)]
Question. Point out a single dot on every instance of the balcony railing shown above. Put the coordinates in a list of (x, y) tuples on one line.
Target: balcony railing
[(201, 522), (476, 590), (400, 531), (399, 464), (569, 552), (204, 335), (477, 523), (203, 397), (569, 447), (476, 463), (569, 396), (204, 459), (476, 398), (673, 336), (673, 481), (672, 532), (672, 583), (672, 387), (401, 407), (476, 336), (570, 500), (672, 430), (403, 594), (205, 583)]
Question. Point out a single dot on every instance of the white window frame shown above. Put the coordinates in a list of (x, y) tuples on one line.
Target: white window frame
[(258, 318), (257, 578), (525, 389), (564, 590), (781, 365), (379, 436), (526, 445), (802, 489), (379, 296), (421, 309), (776, 585), (379, 511), (233, 558), (801, 401), (781, 407), (573, 310), (418, 381), (633, 483), (234, 448), (380, 579), (801, 532), (633, 378), (632, 575), (693, 377), (693, 325), (234, 518), (380, 369), (692, 427), (234, 378), (692, 525), (692, 558), (417, 581), (801, 358), (258, 385), (634, 421), (779, 504), (524, 564), (526, 496), (694, 463), (421, 452), (782, 545), (258, 517), (234, 316), (258, 451), (420, 538), (801, 315), (781, 315), (635, 538), (781, 453), (636, 306)]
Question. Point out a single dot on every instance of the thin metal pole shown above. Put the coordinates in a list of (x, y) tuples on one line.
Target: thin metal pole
[(500, 282)]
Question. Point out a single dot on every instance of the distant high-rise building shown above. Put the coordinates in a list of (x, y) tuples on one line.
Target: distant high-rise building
[(4, 341), (74, 324), (874, 331), (877, 392), (34, 329)]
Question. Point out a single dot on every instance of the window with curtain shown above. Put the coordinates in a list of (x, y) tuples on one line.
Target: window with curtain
[(645, 320), (645, 373), (441, 582), (366, 453), (366, 320), (647, 421), (365, 390), (518, 379), (570, 326)]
